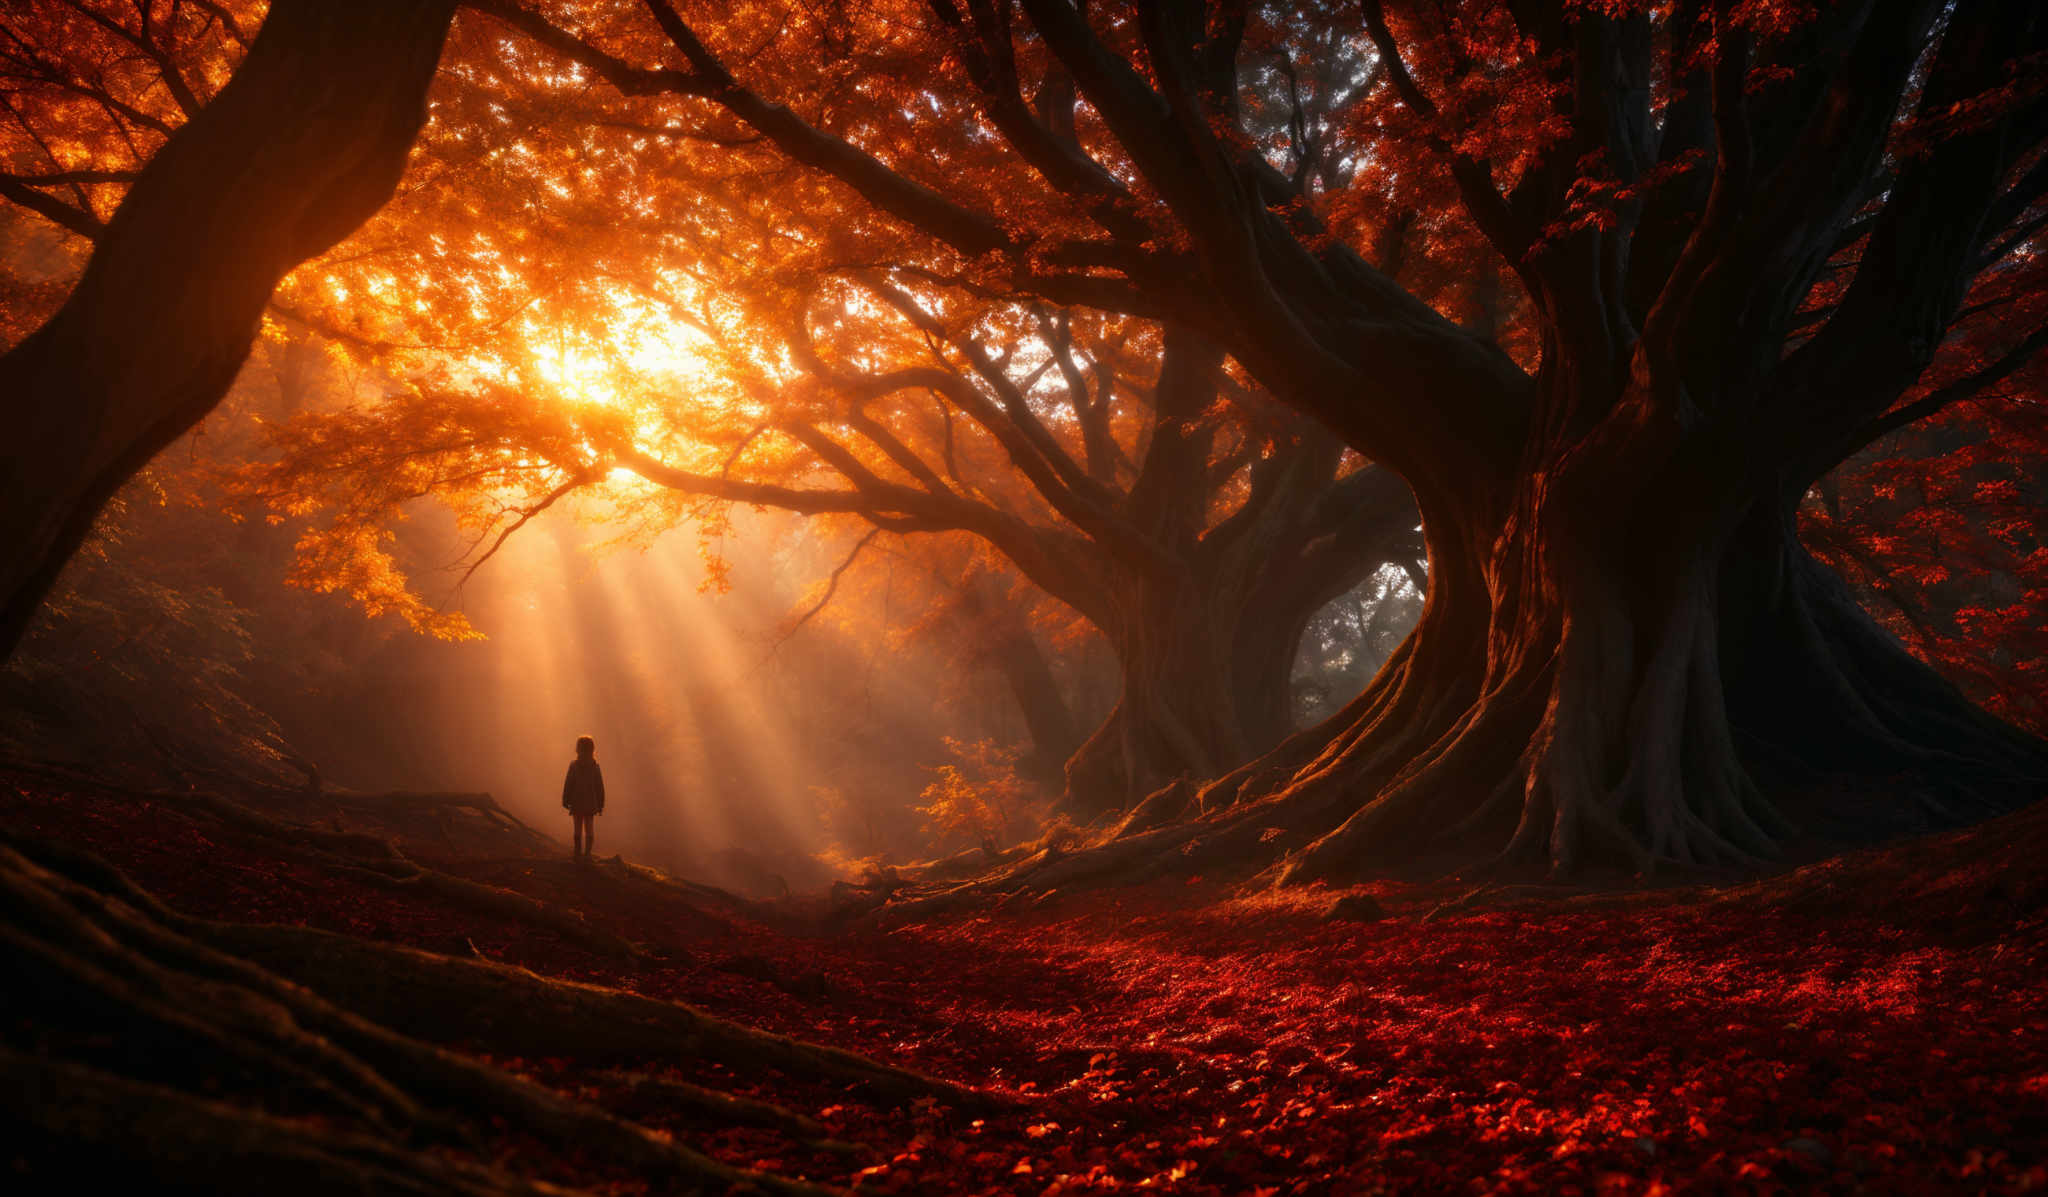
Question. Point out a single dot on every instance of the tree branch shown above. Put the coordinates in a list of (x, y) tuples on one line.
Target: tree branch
[(526, 516), (831, 588), (18, 190), (1474, 175), (2004, 366)]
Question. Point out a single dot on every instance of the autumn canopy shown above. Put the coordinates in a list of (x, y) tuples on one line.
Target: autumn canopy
[(1167, 310), (1156, 304), (1216, 597)]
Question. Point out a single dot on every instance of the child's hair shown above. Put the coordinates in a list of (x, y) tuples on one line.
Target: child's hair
[(585, 746)]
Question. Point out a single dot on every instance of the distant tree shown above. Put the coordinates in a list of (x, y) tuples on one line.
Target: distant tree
[(1351, 638), (991, 622)]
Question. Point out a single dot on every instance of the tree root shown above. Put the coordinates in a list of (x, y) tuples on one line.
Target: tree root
[(88, 1126), (506, 1009), (697, 891), (411, 800), (1235, 840), (653, 1092), (402, 874), (193, 1003), (1159, 807), (649, 1094), (383, 865), (514, 1011)]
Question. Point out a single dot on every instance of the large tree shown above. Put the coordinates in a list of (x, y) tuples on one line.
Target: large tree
[(1117, 466), (1627, 655), (306, 139)]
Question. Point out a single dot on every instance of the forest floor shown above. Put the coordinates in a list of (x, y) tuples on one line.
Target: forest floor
[(1877, 1023)]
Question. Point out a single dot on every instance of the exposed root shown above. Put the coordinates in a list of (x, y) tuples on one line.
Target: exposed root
[(80, 1126), (1162, 806), (400, 873), (507, 1009), (407, 801), (1234, 841), (641, 1091), (514, 1011), (224, 988), (148, 1004)]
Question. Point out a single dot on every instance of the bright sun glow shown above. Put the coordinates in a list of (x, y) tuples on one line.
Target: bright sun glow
[(630, 348)]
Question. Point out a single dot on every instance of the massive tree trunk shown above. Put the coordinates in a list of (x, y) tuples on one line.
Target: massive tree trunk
[(1697, 694), (305, 141)]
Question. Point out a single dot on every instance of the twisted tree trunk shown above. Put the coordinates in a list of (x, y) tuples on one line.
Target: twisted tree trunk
[(1206, 640), (1699, 694)]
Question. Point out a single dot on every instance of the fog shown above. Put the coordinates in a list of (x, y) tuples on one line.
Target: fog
[(738, 747), (767, 733), (732, 750), (764, 737)]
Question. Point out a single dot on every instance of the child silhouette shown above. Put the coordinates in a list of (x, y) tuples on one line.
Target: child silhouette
[(583, 794)]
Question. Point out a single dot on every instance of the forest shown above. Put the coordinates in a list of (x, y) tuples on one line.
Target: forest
[(1410, 596)]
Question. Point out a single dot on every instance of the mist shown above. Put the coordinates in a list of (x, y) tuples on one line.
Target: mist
[(733, 749)]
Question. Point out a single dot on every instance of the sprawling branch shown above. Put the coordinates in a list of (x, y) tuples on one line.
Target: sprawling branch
[(990, 59), (1474, 175), (1924, 249), (1790, 216), (2004, 366), (1047, 556), (961, 227), (1066, 273), (627, 78)]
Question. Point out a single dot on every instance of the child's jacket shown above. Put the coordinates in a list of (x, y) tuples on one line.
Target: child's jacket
[(583, 788)]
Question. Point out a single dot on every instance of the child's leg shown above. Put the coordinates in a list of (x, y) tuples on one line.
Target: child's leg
[(579, 823), (590, 835)]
